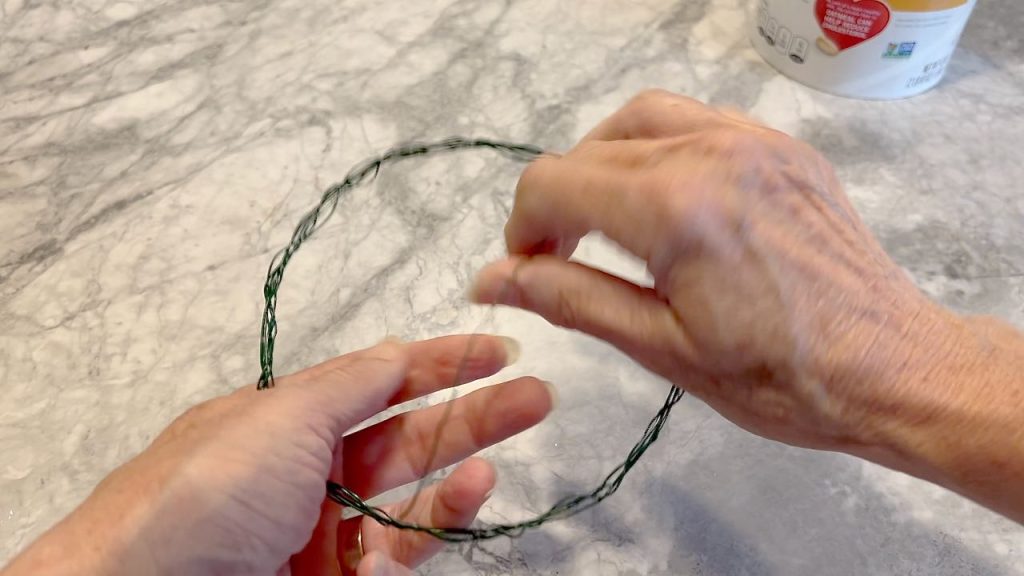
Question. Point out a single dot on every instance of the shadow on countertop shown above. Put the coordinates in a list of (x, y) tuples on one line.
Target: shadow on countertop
[(750, 507), (991, 40)]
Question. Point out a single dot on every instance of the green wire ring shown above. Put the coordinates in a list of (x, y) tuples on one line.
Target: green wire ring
[(364, 173)]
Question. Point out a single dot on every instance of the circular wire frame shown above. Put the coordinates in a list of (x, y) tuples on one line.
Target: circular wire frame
[(364, 173)]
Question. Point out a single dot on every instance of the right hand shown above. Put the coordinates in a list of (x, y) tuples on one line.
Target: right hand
[(771, 300)]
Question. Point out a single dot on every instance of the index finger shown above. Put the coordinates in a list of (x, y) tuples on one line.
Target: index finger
[(558, 201), (450, 361), (428, 366), (594, 186), (654, 114)]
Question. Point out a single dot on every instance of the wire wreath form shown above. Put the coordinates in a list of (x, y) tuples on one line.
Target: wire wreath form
[(362, 174)]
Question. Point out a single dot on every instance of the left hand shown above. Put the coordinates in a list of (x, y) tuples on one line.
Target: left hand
[(237, 484)]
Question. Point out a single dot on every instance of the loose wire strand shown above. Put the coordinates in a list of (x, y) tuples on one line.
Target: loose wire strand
[(364, 173)]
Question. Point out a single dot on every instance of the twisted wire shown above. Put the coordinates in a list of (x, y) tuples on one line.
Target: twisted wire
[(364, 173)]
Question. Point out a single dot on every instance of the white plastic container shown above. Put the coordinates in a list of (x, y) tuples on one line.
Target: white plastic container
[(872, 49)]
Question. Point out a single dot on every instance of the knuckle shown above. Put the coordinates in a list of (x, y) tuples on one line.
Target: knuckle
[(652, 97), (654, 102), (421, 438), (732, 140), (748, 146), (532, 177), (589, 148), (448, 505), (194, 418), (201, 412), (647, 104), (567, 309), (389, 352), (477, 433), (531, 189), (735, 114), (371, 362)]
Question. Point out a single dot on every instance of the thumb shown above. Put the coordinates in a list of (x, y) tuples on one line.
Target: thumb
[(575, 296)]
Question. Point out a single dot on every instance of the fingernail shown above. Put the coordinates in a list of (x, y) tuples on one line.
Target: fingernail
[(491, 286), (553, 393), (512, 350)]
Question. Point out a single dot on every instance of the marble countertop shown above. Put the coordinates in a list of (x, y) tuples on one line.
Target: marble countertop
[(154, 156)]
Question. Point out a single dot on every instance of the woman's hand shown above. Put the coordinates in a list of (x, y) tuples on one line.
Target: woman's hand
[(236, 485), (771, 300)]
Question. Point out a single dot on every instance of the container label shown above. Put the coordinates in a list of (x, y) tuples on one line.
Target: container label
[(847, 23), (878, 49)]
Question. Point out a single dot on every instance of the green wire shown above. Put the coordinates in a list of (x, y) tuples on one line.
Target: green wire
[(365, 173)]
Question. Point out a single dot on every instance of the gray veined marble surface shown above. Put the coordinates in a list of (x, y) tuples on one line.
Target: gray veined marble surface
[(153, 156)]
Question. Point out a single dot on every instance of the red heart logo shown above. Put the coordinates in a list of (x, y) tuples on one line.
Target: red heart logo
[(849, 22)]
